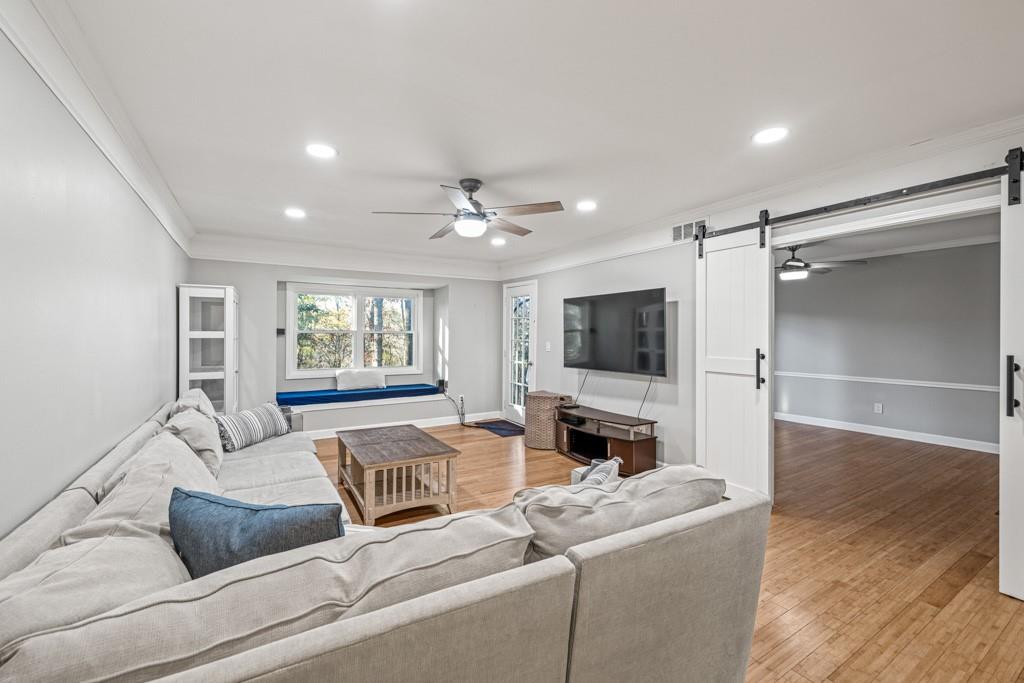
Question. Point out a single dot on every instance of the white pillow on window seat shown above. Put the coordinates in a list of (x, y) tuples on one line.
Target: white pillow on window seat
[(360, 379)]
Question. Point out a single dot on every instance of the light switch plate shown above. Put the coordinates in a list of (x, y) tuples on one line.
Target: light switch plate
[(879, 409), (547, 346)]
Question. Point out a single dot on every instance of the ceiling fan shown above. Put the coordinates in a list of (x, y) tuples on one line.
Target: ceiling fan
[(795, 268), (470, 218)]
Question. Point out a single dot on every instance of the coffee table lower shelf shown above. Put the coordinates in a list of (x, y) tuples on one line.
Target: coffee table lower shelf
[(400, 487)]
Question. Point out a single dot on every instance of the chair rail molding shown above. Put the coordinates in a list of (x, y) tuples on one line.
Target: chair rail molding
[(929, 384)]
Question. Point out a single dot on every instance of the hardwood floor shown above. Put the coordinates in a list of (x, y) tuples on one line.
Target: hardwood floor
[(490, 470), (881, 560)]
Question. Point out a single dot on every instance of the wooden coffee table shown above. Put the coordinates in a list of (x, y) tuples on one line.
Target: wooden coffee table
[(387, 469)]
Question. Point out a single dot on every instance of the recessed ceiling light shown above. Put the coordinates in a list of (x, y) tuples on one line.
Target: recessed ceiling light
[(295, 212), (498, 241), (321, 151), (770, 135), (586, 205)]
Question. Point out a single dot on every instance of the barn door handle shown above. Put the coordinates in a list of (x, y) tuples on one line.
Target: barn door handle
[(1011, 402), (758, 379)]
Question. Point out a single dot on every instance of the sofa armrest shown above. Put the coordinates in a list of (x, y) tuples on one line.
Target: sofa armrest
[(513, 625)]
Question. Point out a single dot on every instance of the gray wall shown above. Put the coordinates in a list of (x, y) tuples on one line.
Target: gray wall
[(671, 398), (88, 278), (931, 316), (473, 327)]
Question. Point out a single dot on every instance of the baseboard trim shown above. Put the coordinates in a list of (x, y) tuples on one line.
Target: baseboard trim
[(425, 422), (923, 437)]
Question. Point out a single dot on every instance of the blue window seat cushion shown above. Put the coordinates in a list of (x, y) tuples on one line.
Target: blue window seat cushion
[(308, 398)]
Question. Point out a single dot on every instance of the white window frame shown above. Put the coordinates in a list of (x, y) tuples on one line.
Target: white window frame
[(293, 289)]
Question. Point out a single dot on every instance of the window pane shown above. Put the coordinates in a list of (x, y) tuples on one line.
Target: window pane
[(325, 312), (387, 314), (387, 350), (323, 350)]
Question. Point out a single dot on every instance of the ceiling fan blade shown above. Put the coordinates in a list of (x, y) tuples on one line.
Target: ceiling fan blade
[(413, 213), (458, 198), (443, 231), (527, 209), (821, 271), (837, 264), (512, 228)]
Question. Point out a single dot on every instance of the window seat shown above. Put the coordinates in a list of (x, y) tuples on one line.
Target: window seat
[(307, 398)]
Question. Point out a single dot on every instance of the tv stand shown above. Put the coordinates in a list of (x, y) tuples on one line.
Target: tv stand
[(585, 433)]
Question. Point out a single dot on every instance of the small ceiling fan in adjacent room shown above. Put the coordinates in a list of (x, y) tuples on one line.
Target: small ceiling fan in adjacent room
[(795, 268), (471, 218)]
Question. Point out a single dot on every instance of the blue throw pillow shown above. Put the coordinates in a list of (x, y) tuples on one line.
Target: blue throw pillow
[(212, 533)]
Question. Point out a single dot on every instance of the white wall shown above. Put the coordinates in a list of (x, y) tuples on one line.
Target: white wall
[(931, 316), (88, 278), (473, 331), (671, 398)]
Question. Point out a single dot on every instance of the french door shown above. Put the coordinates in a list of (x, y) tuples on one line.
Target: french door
[(519, 343), (734, 381), (1011, 417)]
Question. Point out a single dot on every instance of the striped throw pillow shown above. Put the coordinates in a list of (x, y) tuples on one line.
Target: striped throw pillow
[(249, 427)]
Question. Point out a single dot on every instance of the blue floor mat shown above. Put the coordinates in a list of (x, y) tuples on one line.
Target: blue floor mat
[(501, 427)]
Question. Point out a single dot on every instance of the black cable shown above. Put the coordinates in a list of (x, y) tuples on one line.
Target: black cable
[(649, 382), (460, 411), (583, 384)]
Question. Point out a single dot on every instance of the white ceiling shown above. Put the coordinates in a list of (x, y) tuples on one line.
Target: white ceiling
[(938, 235), (646, 107)]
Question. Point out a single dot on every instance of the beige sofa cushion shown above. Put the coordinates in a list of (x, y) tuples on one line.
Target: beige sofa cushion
[(303, 492), (139, 503), (286, 443), (264, 470), (97, 479), (194, 399), (564, 516), (201, 435), (70, 583), (274, 597), (42, 530)]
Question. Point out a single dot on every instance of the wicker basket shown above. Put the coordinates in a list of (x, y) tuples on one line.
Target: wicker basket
[(540, 418)]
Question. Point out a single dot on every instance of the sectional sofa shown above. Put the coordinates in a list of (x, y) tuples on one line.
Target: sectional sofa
[(91, 589)]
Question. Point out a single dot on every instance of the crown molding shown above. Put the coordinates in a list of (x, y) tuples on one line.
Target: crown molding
[(47, 35), (219, 247)]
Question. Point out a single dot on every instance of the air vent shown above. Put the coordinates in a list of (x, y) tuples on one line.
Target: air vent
[(682, 232)]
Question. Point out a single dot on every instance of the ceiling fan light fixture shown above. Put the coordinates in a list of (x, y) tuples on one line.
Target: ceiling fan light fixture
[(794, 274), (470, 226)]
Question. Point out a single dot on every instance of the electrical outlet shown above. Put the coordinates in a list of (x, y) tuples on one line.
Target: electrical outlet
[(462, 399), (879, 409)]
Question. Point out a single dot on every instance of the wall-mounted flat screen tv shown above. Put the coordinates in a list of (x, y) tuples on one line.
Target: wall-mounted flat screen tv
[(622, 332)]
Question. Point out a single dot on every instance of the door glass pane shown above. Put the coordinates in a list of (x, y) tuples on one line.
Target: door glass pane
[(519, 353)]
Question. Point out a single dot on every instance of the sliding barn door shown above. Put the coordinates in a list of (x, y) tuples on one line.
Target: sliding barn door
[(1011, 417), (734, 385)]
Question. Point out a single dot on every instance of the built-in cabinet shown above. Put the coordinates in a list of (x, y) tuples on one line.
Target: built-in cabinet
[(208, 343)]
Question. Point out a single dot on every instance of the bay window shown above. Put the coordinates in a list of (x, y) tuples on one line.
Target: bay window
[(332, 327)]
